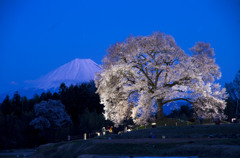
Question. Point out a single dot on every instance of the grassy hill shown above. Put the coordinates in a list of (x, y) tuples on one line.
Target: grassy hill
[(199, 140)]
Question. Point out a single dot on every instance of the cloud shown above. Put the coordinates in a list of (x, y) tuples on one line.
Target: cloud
[(14, 83)]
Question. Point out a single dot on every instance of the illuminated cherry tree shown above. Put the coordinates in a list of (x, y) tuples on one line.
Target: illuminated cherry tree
[(145, 73), (50, 113)]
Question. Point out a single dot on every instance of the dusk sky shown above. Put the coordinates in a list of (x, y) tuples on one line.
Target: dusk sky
[(39, 36)]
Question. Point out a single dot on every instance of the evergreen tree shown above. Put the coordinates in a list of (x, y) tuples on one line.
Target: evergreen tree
[(6, 106), (62, 88), (48, 95), (17, 104), (43, 96), (233, 101), (55, 96)]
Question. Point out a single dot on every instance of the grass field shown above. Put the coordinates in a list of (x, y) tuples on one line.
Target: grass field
[(199, 140)]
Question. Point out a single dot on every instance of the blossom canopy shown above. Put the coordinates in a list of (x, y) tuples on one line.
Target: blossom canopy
[(145, 70)]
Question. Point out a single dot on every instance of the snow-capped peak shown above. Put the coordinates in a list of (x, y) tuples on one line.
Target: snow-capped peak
[(73, 72)]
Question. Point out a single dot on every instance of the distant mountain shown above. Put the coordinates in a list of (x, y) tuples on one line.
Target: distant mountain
[(74, 72)]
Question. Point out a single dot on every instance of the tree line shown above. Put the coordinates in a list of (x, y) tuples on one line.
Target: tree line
[(50, 117)]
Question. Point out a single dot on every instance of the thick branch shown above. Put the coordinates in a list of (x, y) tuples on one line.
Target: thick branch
[(179, 82), (132, 92), (176, 99), (145, 74), (157, 76)]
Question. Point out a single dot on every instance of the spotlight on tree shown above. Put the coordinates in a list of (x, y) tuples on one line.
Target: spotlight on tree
[(144, 70)]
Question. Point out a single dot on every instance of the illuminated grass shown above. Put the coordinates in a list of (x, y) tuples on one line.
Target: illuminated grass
[(223, 147)]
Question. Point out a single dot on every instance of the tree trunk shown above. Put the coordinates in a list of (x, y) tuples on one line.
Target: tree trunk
[(160, 115)]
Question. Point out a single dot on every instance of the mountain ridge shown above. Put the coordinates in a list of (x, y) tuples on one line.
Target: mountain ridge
[(73, 72)]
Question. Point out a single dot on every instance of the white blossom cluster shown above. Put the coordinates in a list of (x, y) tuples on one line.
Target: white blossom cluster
[(50, 113), (144, 70)]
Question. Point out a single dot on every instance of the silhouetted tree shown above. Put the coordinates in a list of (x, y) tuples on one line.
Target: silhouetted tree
[(43, 96), (233, 101), (48, 95), (55, 96), (6, 106), (62, 88), (183, 113), (17, 104)]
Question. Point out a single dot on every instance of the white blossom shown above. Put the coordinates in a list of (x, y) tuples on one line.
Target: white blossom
[(141, 71), (50, 113)]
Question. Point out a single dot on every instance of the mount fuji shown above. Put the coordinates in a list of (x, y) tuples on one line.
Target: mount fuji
[(74, 72)]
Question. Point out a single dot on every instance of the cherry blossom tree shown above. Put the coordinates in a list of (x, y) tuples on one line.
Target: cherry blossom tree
[(50, 113), (145, 73)]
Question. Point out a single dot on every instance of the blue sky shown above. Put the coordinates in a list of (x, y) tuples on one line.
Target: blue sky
[(38, 36)]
